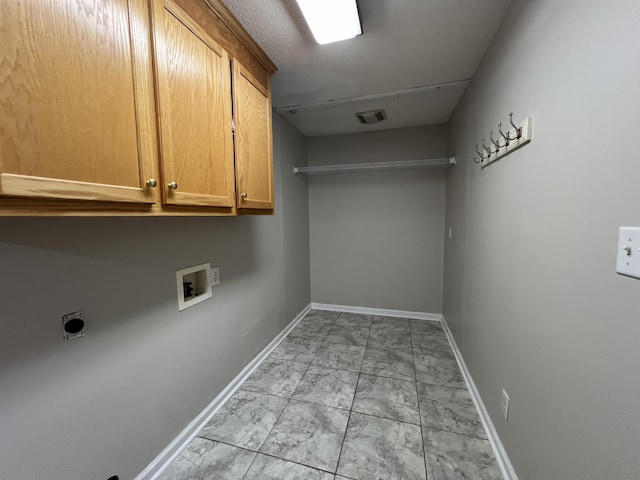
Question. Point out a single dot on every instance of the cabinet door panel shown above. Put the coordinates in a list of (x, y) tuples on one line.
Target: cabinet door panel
[(72, 100), (253, 140), (194, 95)]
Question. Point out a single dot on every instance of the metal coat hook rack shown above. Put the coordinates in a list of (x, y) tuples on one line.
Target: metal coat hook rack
[(514, 138)]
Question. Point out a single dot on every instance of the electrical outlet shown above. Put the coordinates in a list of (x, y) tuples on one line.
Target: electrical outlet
[(215, 276), (73, 326), (505, 405)]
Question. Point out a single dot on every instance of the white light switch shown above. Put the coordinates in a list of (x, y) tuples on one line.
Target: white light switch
[(628, 262)]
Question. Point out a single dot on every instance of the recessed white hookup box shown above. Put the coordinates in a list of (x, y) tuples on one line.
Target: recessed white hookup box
[(193, 285)]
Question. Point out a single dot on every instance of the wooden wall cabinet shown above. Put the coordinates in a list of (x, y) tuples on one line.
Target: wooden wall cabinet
[(124, 107), (76, 101), (193, 83), (254, 149)]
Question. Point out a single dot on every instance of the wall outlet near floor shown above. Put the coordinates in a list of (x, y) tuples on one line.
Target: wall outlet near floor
[(505, 405), (215, 276)]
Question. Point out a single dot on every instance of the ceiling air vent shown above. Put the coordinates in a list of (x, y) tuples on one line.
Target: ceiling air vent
[(371, 117)]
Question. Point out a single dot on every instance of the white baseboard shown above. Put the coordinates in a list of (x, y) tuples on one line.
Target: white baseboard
[(435, 317), (167, 456), (508, 473)]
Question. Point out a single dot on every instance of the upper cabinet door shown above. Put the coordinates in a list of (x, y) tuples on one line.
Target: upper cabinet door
[(194, 100), (253, 140), (76, 105)]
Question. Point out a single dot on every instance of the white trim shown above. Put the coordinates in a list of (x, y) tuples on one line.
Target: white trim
[(508, 473), (436, 317), (350, 167), (162, 461)]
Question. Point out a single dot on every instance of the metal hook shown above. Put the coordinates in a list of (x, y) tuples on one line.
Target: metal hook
[(478, 152), (476, 161), (518, 129), (488, 149), (507, 139), (497, 144)]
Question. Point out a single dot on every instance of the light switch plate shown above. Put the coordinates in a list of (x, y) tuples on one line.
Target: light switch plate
[(628, 259)]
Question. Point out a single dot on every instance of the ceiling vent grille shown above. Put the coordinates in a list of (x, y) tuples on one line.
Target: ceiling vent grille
[(371, 117)]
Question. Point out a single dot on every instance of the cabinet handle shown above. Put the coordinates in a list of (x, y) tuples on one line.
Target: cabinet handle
[(151, 183), (173, 186), (243, 194)]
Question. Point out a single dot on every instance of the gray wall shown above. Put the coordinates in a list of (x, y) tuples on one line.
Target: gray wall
[(377, 238), (295, 207), (109, 403), (531, 292)]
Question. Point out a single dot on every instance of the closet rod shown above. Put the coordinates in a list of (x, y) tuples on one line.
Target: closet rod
[(351, 167)]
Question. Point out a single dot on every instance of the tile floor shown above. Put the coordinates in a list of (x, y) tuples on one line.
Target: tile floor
[(347, 397)]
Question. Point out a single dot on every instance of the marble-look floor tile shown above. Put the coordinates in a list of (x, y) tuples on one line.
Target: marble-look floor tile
[(387, 397), (390, 324), (296, 349), (324, 315), (347, 335), (327, 386), (438, 349), (390, 340), (204, 459), (438, 370), (377, 448), (437, 336), (277, 377), (270, 468), (425, 326), (449, 409), (354, 320), (314, 328), (245, 420), (309, 434), (340, 356), (431, 343), (450, 456), (388, 363)]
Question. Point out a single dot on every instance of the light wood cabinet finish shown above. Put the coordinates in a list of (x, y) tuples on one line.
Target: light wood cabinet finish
[(253, 140), (76, 111), (194, 101), (103, 100)]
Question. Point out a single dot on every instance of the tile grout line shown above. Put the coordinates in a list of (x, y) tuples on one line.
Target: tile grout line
[(424, 452), (270, 455), (251, 465), (288, 402), (362, 413), (355, 392), (287, 399)]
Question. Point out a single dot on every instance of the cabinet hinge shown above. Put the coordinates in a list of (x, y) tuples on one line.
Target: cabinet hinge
[(233, 126)]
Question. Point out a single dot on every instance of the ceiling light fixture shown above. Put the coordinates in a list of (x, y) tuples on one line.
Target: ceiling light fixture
[(331, 20)]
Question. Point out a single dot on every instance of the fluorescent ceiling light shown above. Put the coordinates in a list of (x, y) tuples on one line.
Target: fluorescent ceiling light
[(331, 20)]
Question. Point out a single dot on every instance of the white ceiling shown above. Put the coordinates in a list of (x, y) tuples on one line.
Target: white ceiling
[(405, 44)]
